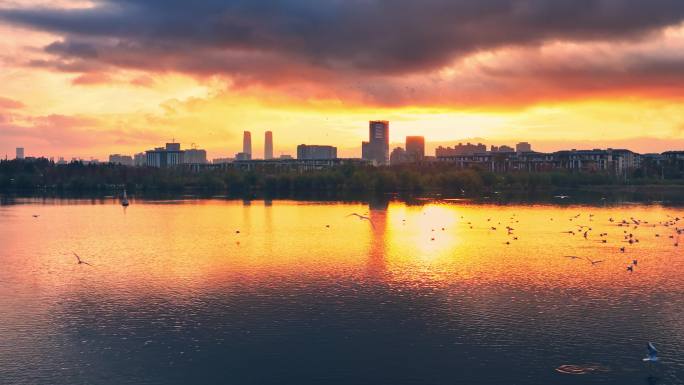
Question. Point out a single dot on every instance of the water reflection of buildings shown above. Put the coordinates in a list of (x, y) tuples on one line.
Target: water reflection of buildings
[(377, 251)]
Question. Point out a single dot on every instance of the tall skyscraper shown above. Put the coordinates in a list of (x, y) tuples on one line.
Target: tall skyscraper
[(268, 145), (415, 148), (247, 143), (377, 149), (20, 153)]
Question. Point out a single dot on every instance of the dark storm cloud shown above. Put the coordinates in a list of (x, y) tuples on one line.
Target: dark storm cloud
[(377, 36), (72, 49)]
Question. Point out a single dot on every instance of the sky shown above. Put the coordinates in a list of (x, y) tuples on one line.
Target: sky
[(92, 78)]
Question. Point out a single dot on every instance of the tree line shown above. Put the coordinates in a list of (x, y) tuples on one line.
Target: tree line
[(411, 178)]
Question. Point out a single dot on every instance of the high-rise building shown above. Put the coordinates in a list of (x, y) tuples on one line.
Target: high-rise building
[(523, 147), (20, 153), (415, 148), (316, 152), (247, 143), (377, 149), (168, 156), (268, 145)]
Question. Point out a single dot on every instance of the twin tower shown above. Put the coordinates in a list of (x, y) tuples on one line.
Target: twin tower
[(268, 144)]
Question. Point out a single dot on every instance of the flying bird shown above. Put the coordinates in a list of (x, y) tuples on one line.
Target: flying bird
[(593, 263), (652, 353), (361, 217), (80, 261)]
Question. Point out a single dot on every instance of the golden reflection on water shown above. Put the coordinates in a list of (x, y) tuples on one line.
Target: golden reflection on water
[(444, 278), (197, 242)]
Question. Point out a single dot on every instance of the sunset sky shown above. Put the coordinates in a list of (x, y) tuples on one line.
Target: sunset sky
[(90, 78)]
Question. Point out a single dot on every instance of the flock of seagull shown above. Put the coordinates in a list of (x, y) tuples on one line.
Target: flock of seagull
[(629, 235), (630, 226)]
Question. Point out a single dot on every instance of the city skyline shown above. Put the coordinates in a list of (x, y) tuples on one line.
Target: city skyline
[(613, 79), (431, 149)]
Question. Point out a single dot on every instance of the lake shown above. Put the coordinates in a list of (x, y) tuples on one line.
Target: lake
[(217, 291)]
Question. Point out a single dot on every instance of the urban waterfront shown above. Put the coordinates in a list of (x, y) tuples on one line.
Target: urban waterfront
[(209, 291)]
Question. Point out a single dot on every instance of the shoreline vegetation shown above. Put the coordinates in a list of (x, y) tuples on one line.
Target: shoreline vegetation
[(427, 178)]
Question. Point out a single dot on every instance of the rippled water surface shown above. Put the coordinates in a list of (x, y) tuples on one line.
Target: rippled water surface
[(286, 292)]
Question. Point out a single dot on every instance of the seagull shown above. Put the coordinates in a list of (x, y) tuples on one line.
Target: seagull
[(361, 217), (652, 353), (630, 268), (593, 263), (571, 256), (36, 215), (81, 261), (561, 196)]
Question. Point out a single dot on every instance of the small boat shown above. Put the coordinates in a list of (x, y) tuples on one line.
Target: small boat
[(124, 199)]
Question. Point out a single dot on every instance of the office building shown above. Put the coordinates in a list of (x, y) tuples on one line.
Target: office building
[(243, 156), (268, 145), (377, 147), (247, 143), (415, 148), (20, 153), (125, 160), (365, 150), (316, 152), (523, 147), (195, 156), (168, 156)]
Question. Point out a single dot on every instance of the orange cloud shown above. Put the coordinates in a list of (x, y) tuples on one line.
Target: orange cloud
[(6, 103)]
